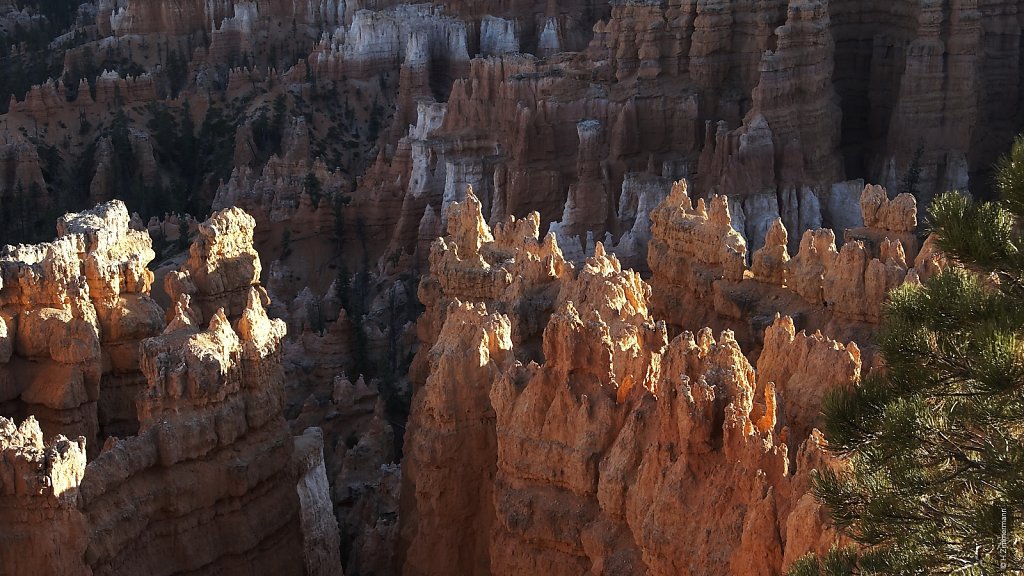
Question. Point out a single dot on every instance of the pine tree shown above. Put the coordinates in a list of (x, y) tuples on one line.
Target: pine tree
[(936, 441), (908, 185)]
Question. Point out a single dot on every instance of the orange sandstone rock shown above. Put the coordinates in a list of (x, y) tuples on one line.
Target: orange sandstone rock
[(613, 450), (74, 311), (207, 480)]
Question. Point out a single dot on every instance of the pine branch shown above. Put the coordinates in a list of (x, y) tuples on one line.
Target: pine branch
[(978, 233), (1010, 179)]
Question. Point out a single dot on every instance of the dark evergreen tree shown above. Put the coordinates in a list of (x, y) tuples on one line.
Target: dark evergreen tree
[(913, 174), (183, 236), (19, 210), (311, 184), (164, 129), (936, 440), (187, 140), (124, 165)]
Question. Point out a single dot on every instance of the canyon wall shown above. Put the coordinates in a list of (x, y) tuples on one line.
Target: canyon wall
[(207, 480), (780, 106), (74, 311), (701, 276), (569, 416), (770, 103), (560, 430)]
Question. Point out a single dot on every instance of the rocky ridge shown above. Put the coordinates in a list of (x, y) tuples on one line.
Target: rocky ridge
[(774, 105), (208, 479), (744, 98), (74, 311), (533, 421), (701, 274)]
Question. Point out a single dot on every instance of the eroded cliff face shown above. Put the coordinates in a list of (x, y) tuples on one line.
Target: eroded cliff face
[(451, 444), (701, 277), (933, 85), (583, 440), (38, 489), (770, 102), (74, 311), (350, 132), (780, 106), (207, 480)]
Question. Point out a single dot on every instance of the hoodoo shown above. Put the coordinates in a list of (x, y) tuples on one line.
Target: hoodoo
[(441, 288)]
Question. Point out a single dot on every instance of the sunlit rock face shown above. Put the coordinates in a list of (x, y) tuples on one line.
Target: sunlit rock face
[(208, 478), (642, 234), (575, 436), (74, 311), (701, 276)]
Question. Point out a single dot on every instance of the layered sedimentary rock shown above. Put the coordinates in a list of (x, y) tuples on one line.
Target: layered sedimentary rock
[(925, 79), (792, 361), (206, 480), (885, 219), (512, 269), (319, 526), (498, 36), (938, 96), (796, 97), (521, 132), (281, 191), (770, 262), (133, 19), (641, 193), (740, 97), (712, 249), (46, 100), (115, 260), (788, 142), (74, 311), (613, 450), (698, 279), (222, 269), (588, 207), (384, 40), (558, 137), (745, 97), (685, 477), (44, 530), (448, 472), (213, 401)]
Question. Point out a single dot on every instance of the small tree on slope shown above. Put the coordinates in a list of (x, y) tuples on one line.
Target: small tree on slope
[(936, 442)]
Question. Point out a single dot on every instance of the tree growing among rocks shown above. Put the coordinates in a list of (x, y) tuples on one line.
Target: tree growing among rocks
[(935, 440)]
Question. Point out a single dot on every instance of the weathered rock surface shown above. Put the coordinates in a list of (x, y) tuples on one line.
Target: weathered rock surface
[(575, 121), (793, 362), (612, 450), (279, 192), (319, 526), (44, 532), (210, 482), (709, 248), (512, 270), (74, 311), (222, 268), (747, 98), (885, 219), (699, 280), (448, 472)]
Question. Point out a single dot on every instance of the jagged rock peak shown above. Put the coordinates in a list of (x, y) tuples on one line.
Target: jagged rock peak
[(467, 227), (222, 268), (896, 215), (33, 468)]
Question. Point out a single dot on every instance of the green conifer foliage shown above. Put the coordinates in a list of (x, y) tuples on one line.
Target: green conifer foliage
[(935, 441)]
